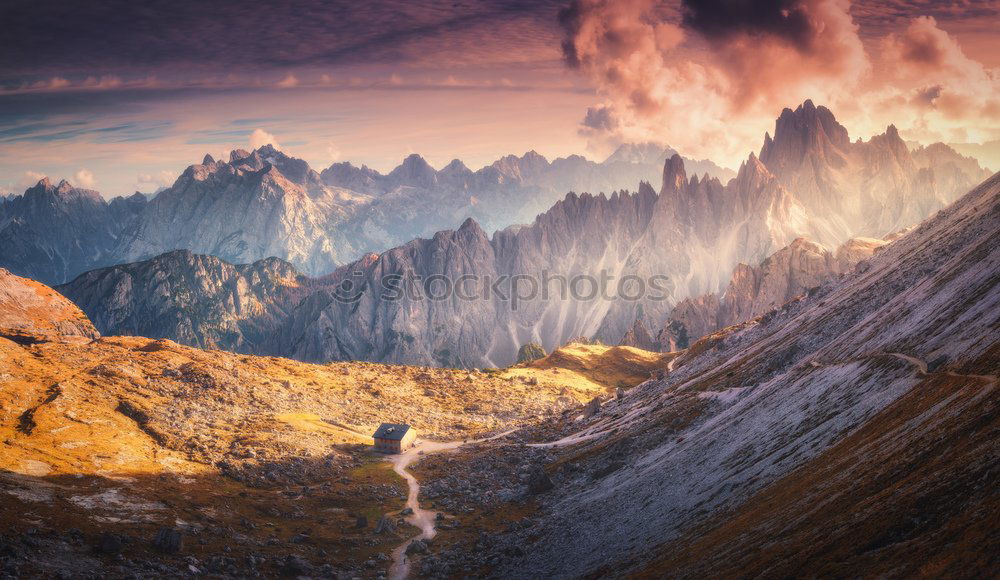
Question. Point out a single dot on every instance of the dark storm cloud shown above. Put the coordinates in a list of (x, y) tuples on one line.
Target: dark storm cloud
[(571, 19), (600, 118), (134, 38), (725, 19)]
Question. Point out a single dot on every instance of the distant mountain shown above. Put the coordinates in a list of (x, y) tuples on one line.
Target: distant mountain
[(265, 203), (54, 232), (256, 205), (193, 299), (690, 235), (755, 290), (415, 201), (204, 301), (865, 188)]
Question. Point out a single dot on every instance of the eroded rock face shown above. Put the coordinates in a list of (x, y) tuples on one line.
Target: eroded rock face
[(688, 236), (264, 203), (755, 290), (30, 310), (197, 300), (257, 205)]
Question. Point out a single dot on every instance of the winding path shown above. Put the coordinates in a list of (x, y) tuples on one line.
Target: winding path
[(421, 518)]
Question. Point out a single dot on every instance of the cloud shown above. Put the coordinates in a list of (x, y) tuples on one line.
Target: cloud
[(260, 137), (84, 178), (181, 38), (709, 79), (949, 95), (155, 181), (288, 82), (659, 90), (30, 178), (722, 20)]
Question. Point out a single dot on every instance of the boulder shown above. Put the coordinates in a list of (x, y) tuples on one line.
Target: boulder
[(416, 547), (530, 351), (384, 525), (169, 540), (539, 481)]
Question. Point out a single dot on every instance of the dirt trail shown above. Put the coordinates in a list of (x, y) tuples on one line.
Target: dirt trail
[(421, 518)]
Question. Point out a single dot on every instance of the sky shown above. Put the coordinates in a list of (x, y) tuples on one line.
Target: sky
[(121, 96)]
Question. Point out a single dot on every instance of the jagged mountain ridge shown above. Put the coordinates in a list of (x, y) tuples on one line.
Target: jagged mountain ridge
[(867, 188), (691, 235), (54, 232), (265, 203), (641, 235), (620, 229)]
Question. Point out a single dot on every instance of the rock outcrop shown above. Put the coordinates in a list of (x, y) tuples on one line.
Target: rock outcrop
[(192, 299), (639, 337), (30, 311)]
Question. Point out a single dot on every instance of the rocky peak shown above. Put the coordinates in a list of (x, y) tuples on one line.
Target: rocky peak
[(361, 179), (471, 228), (807, 131), (639, 337), (456, 166), (752, 174), (639, 153), (414, 171), (674, 176), (517, 168), (237, 154), (208, 159)]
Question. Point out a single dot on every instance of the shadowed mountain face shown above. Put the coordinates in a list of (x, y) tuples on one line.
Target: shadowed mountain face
[(193, 299)]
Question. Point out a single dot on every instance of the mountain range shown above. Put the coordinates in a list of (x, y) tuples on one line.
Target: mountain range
[(264, 203), (689, 236)]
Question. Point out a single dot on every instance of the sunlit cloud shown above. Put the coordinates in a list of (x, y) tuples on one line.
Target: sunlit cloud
[(709, 79), (84, 178), (260, 137), (288, 82), (154, 181)]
